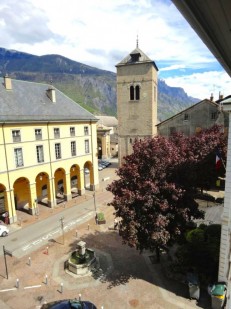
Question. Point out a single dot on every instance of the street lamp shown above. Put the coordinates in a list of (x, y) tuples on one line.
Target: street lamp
[(62, 227), (94, 202)]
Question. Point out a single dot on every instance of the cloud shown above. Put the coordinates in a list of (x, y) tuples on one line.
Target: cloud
[(21, 23), (101, 33), (201, 85)]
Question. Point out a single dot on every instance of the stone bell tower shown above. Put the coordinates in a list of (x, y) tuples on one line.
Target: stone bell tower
[(136, 100)]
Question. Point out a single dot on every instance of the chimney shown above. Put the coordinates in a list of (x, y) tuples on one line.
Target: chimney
[(7, 82), (51, 94), (211, 97), (220, 96)]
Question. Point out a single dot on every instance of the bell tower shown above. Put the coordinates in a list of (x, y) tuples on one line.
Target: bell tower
[(136, 100)]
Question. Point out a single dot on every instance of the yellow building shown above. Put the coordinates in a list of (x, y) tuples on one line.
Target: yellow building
[(46, 143)]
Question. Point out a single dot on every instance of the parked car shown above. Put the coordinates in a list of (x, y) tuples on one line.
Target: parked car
[(107, 163), (4, 231), (69, 304), (100, 167), (86, 171)]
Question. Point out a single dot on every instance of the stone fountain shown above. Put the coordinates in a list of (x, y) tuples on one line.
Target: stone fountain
[(81, 260)]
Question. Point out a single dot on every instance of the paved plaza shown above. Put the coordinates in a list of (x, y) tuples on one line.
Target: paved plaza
[(125, 278)]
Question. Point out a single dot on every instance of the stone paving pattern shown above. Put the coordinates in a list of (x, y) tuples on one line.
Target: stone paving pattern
[(126, 279)]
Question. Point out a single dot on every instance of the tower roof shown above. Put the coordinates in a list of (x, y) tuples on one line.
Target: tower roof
[(135, 57)]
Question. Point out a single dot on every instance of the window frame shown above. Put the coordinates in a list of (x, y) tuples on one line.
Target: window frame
[(72, 131), (17, 158), (56, 132), (58, 153), (38, 134), (73, 149), (87, 146), (39, 153), (86, 130), (16, 137)]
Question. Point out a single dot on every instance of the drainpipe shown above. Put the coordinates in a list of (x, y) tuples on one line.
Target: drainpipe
[(49, 147)]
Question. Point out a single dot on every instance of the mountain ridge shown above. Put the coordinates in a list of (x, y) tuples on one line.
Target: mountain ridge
[(92, 88)]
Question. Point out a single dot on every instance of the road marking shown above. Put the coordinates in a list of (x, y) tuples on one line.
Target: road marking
[(50, 234), (32, 286), (7, 290)]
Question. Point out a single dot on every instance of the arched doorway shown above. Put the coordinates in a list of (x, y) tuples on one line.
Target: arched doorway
[(3, 205), (22, 194), (88, 175), (43, 188), (75, 180), (60, 185)]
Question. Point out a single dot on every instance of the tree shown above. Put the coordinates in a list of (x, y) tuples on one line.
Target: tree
[(154, 195)]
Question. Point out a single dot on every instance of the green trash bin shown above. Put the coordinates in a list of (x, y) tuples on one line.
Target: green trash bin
[(218, 294)]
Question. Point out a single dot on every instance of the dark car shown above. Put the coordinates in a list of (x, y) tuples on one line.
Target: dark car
[(69, 304)]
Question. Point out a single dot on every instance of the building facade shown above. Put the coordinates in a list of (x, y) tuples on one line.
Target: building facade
[(46, 142), (136, 100), (202, 115)]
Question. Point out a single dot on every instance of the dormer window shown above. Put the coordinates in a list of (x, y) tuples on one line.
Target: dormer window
[(135, 57)]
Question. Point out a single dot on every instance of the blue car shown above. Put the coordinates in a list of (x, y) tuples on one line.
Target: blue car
[(69, 304)]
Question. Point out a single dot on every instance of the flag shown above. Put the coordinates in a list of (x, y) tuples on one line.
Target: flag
[(218, 160)]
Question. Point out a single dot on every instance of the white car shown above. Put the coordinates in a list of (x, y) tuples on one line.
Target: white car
[(4, 231)]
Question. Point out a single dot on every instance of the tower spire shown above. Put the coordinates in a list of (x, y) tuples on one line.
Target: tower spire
[(137, 41)]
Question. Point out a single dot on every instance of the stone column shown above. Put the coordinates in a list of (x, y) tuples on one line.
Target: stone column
[(33, 196), (11, 206), (51, 199), (67, 194), (81, 188)]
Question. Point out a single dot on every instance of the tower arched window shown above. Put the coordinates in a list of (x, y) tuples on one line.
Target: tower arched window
[(131, 93), (137, 91)]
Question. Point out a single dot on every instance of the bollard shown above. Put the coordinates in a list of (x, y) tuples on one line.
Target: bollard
[(20, 221), (76, 234), (29, 261), (47, 250), (46, 280), (64, 205), (61, 287), (88, 227), (17, 283), (79, 297)]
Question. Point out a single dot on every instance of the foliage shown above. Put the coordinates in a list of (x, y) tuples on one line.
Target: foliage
[(201, 251), (100, 216), (155, 193)]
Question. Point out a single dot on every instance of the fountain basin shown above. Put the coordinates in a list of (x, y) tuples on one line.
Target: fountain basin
[(80, 265)]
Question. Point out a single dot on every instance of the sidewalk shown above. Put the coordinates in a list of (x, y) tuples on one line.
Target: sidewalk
[(125, 280)]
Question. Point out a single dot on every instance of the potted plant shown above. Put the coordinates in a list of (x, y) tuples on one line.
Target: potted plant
[(100, 219)]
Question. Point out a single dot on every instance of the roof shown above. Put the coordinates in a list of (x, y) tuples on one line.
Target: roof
[(141, 58), (28, 101), (187, 109), (211, 20), (109, 121)]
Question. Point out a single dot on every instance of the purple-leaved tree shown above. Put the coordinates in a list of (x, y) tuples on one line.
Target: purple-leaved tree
[(154, 196)]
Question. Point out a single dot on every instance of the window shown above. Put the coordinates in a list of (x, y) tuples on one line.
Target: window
[(73, 148), (186, 117), (213, 115), (58, 151), (56, 133), (134, 93), (72, 131), (38, 134), (87, 149), (86, 131), (18, 157), (16, 134), (131, 93), (137, 92), (39, 152)]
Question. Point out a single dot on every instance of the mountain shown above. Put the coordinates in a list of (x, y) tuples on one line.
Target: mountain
[(92, 88)]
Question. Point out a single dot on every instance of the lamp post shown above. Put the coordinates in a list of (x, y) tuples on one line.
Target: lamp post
[(62, 227), (94, 202)]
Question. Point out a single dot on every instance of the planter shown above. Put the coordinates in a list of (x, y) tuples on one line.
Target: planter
[(100, 219)]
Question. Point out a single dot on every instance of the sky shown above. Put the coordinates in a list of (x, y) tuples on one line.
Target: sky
[(100, 33)]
